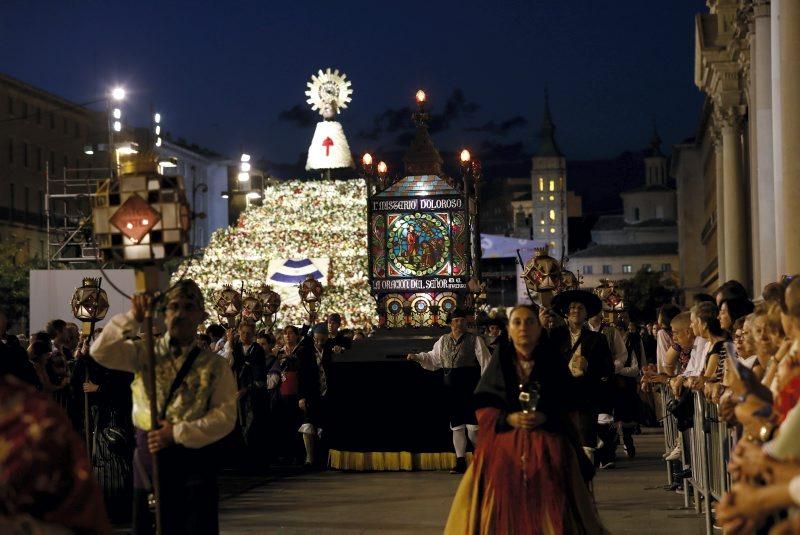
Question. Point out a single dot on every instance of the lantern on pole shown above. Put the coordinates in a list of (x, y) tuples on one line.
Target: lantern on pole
[(270, 305), (89, 305), (90, 302), (252, 307), (228, 304), (310, 291), (542, 276)]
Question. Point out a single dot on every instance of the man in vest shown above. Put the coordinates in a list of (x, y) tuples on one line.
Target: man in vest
[(196, 394), (463, 356), (589, 360)]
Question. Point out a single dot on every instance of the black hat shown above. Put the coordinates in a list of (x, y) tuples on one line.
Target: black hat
[(562, 301), (456, 313)]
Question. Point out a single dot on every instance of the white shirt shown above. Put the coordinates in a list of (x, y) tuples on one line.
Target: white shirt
[(697, 359), (115, 349), (663, 343), (432, 360)]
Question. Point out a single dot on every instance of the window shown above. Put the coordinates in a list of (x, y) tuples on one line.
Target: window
[(541, 184), (77, 129), (52, 120), (66, 126), (38, 115), (11, 150), (27, 199), (552, 185), (666, 268), (552, 215), (52, 162), (636, 214), (24, 110), (587, 270), (25, 157), (627, 268), (66, 162), (606, 269), (552, 230), (39, 160), (551, 198), (11, 106), (647, 268), (659, 212)]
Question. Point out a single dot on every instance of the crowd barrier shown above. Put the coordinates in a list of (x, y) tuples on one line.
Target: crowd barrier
[(706, 448)]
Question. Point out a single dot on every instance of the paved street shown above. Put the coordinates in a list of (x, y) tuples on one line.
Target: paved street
[(631, 501)]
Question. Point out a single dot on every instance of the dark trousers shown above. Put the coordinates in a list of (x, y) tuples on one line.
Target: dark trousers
[(586, 422), (189, 497)]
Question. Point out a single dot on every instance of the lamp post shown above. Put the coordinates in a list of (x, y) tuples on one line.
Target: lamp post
[(89, 305), (366, 165), (114, 115), (310, 291)]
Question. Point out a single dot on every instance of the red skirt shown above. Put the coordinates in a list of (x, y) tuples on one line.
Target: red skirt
[(525, 482)]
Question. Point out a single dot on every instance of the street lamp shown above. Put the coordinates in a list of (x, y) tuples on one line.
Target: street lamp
[(383, 170)]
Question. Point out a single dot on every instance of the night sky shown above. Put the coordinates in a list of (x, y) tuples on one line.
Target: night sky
[(231, 75)]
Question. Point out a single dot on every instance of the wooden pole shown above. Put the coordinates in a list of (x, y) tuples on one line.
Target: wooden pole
[(146, 281)]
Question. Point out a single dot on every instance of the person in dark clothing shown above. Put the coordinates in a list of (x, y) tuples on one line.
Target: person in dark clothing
[(340, 339), (249, 365), (589, 361)]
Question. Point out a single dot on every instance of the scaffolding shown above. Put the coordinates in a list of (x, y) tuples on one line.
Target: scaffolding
[(68, 215)]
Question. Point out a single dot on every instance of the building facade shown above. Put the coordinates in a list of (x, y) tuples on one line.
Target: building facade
[(739, 178), (39, 133), (643, 237)]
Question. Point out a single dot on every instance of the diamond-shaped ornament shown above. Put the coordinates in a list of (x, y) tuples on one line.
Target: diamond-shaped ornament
[(135, 218)]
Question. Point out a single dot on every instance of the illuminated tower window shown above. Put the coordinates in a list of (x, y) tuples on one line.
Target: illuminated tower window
[(552, 230), (552, 215), (541, 222), (552, 185), (552, 197), (541, 184)]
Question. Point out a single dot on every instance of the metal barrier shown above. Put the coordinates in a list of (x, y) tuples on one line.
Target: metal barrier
[(710, 445)]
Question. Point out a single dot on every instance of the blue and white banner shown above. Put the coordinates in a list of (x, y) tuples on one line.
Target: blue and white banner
[(286, 274)]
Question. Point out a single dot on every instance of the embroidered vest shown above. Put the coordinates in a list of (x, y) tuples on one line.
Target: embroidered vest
[(191, 400), (459, 353)]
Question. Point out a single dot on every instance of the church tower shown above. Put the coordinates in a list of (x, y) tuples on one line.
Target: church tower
[(655, 163), (549, 189)]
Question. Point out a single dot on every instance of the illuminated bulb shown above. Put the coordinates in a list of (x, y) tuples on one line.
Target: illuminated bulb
[(367, 159), (253, 195), (158, 129), (117, 113), (118, 93), (117, 126), (421, 96), (382, 168), (145, 222), (244, 167), (465, 156), (245, 158), (129, 225), (243, 177), (158, 142), (157, 118)]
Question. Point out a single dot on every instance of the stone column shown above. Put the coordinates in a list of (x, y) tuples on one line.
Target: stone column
[(735, 232), (789, 28), (720, 202), (777, 151), (761, 122)]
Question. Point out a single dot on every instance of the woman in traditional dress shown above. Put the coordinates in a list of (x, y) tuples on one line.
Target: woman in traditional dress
[(528, 472)]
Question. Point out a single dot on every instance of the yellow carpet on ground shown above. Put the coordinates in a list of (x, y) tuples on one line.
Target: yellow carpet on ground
[(391, 461)]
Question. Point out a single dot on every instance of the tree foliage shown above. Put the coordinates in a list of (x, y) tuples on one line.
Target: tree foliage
[(646, 292), (15, 270)]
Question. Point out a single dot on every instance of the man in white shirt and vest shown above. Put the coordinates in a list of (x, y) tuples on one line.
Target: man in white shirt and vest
[(196, 394), (463, 356)]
